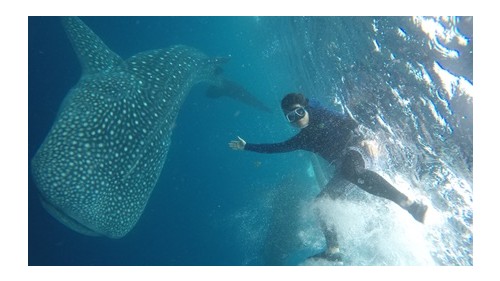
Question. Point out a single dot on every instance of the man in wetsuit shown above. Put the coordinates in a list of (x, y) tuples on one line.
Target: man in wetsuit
[(332, 136)]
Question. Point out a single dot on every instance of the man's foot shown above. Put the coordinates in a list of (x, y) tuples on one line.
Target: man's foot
[(418, 210), (332, 255)]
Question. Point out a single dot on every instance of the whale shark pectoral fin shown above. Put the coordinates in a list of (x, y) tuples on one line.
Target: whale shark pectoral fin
[(93, 54), (236, 91)]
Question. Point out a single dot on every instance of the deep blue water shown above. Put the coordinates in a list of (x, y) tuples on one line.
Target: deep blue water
[(215, 206)]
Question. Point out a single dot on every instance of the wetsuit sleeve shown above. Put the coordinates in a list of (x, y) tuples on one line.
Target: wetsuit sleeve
[(285, 146)]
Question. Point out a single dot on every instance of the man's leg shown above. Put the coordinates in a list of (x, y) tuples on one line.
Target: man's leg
[(332, 191), (353, 169)]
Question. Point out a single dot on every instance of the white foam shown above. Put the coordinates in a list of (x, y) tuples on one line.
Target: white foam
[(376, 232)]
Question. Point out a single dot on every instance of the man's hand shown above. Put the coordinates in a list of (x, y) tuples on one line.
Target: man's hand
[(238, 144)]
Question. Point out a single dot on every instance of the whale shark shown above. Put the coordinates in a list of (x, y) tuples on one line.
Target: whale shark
[(103, 155)]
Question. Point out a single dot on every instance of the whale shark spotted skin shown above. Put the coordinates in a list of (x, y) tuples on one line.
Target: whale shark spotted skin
[(101, 159)]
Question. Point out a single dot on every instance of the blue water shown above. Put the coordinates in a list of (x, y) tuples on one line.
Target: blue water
[(215, 206)]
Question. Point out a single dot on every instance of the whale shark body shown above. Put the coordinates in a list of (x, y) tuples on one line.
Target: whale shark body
[(101, 160)]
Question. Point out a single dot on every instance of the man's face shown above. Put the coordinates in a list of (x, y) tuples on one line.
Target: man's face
[(298, 116)]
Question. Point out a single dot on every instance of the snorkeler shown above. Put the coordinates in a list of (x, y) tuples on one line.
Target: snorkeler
[(334, 137)]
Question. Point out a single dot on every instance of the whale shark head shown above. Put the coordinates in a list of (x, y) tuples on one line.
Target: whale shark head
[(101, 160)]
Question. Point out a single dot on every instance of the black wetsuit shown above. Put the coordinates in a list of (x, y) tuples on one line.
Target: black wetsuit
[(330, 134), (327, 134)]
